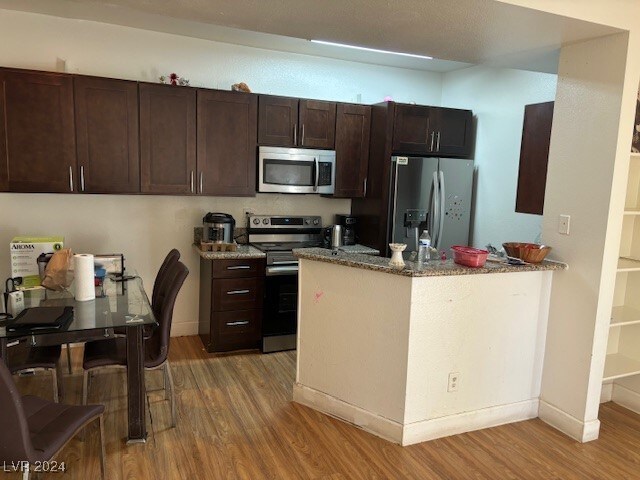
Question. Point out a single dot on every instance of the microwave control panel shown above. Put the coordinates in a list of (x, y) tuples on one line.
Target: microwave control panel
[(324, 175)]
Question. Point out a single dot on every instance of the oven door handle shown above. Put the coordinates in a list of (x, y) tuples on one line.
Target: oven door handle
[(274, 271)]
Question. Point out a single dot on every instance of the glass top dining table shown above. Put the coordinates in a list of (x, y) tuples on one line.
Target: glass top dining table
[(121, 305), (118, 304)]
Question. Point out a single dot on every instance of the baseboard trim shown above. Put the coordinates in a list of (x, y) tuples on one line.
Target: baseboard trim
[(626, 398), (469, 421), (184, 329), (370, 422), (568, 424), (606, 393), (417, 432)]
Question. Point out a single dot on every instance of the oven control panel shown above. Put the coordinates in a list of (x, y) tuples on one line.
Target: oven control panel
[(282, 222)]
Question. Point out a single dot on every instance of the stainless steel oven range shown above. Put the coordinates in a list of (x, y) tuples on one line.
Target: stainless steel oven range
[(277, 236)]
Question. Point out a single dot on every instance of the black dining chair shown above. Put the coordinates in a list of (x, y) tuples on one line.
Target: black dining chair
[(35, 430), (112, 352), (171, 257), (22, 358)]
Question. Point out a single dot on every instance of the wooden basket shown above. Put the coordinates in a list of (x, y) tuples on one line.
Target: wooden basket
[(218, 247)]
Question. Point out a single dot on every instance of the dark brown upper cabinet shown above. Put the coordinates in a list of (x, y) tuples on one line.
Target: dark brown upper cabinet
[(37, 136), (227, 139), (107, 135), (353, 124), (432, 131), (534, 157), (278, 121), (452, 131), (289, 122), (317, 124), (412, 129), (167, 139)]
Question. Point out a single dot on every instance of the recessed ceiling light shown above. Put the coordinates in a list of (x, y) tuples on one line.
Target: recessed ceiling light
[(367, 49)]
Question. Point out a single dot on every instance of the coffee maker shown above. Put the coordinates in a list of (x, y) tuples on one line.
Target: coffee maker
[(348, 223)]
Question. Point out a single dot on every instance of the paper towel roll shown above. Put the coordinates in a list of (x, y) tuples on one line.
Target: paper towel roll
[(84, 277)]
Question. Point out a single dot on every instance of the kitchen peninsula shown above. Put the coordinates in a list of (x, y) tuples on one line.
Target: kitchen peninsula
[(419, 353)]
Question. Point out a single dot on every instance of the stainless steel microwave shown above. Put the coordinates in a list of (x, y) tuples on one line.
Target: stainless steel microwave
[(296, 170)]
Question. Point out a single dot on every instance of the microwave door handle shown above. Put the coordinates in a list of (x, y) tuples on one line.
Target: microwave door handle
[(317, 167)]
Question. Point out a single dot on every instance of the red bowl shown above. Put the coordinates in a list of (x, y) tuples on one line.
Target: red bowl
[(469, 256)]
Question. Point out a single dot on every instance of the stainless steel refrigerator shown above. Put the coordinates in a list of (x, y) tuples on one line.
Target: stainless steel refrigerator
[(430, 194)]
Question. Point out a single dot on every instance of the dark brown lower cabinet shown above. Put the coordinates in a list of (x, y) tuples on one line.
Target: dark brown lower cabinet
[(231, 297), (534, 157)]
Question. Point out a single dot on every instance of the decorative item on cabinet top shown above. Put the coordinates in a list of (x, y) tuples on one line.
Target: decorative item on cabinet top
[(174, 79)]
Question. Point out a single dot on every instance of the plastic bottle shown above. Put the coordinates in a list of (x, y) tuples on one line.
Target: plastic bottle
[(424, 247)]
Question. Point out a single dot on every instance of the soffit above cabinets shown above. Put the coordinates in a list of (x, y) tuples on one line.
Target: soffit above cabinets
[(463, 32)]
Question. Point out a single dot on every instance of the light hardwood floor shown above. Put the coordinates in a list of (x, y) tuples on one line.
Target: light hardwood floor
[(236, 421)]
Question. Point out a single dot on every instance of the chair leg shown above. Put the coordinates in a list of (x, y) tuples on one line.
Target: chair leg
[(165, 380), (54, 380), (85, 387), (69, 358), (60, 381), (171, 392), (103, 451)]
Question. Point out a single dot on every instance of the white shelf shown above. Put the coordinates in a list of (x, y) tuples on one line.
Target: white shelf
[(632, 211), (619, 366), (627, 264), (624, 315)]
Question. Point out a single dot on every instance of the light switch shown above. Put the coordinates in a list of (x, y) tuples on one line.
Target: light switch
[(564, 225)]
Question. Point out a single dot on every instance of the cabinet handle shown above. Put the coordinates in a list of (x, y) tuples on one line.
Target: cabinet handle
[(302, 136), (239, 267), (82, 178), (192, 181), (365, 188), (70, 178), (433, 134), (438, 142), (295, 133), (201, 182), (235, 324), (238, 292)]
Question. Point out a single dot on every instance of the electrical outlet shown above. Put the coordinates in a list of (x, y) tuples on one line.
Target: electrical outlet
[(454, 380), (564, 224)]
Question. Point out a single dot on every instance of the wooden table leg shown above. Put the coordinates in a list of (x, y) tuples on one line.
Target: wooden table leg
[(135, 385)]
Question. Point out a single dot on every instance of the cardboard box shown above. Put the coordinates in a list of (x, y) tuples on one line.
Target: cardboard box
[(24, 253)]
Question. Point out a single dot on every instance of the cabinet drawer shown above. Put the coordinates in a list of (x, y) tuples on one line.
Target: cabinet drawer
[(237, 293), (241, 267), (237, 329)]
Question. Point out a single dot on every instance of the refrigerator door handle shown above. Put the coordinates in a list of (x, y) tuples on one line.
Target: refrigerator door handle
[(442, 207), (436, 210)]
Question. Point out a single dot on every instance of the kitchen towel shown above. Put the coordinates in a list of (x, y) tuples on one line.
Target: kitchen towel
[(84, 277)]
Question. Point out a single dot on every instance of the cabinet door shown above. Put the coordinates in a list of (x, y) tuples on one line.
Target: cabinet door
[(453, 130), (167, 139), (534, 157), (317, 124), (227, 143), (37, 137), (411, 129), (353, 124), (107, 135), (278, 121)]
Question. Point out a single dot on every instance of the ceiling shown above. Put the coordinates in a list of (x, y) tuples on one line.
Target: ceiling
[(456, 33)]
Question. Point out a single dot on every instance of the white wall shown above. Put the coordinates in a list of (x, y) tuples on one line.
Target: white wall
[(497, 98), (146, 227)]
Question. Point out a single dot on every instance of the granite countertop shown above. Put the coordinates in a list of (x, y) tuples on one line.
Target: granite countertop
[(357, 248), (411, 269), (244, 251)]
